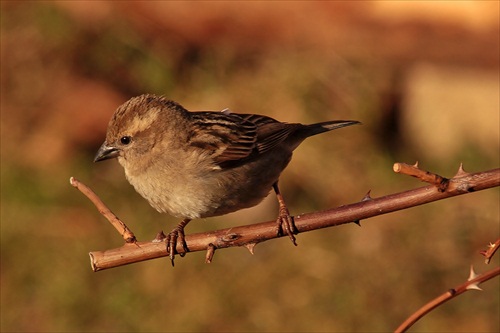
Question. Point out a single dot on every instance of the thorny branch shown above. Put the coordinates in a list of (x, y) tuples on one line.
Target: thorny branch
[(472, 283), (124, 231), (492, 248), (250, 235), (474, 279)]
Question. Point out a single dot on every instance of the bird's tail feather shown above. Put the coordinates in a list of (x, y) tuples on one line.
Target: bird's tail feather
[(318, 128)]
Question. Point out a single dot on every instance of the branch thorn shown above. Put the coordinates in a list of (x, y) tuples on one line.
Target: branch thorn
[(472, 274), (474, 286), (210, 253), (461, 172), (160, 237), (251, 247), (367, 196)]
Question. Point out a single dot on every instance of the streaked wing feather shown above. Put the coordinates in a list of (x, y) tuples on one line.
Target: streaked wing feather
[(272, 134), (232, 137), (226, 136)]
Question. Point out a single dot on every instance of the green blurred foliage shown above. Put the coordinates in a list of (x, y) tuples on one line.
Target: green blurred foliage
[(61, 74)]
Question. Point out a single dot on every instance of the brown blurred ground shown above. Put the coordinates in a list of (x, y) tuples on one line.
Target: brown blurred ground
[(422, 77)]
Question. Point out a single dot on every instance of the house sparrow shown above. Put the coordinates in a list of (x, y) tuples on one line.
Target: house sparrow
[(202, 164)]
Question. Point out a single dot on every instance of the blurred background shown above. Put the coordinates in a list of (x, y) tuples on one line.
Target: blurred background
[(423, 77)]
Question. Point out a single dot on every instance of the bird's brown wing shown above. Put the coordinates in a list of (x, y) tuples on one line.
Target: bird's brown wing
[(232, 138), (270, 132)]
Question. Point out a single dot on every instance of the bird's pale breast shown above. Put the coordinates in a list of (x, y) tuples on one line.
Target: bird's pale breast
[(200, 188)]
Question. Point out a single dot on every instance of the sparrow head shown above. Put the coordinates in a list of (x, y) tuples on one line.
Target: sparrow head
[(138, 125)]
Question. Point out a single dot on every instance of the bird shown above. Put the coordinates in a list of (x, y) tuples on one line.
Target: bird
[(202, 164)]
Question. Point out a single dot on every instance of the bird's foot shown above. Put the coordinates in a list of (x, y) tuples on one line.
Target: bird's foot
[(285, 220), (286, 224), (173, 238)]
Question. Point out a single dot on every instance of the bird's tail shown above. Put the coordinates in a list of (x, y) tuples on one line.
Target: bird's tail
[(318, 128)]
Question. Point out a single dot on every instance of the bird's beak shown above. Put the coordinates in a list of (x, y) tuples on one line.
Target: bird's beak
[(106, 152)]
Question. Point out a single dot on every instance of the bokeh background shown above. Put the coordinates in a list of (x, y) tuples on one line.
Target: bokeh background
[(423, 77)]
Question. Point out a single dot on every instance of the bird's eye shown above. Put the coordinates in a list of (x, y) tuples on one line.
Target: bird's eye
[(125, 140)]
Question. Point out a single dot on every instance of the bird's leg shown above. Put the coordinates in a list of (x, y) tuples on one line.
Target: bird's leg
[(177, 234), (284, 221)]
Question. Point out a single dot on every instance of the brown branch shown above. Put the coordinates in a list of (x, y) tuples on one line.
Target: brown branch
[(125, 232), (250, 235), (472, 283), (492, 248), (425, 176)]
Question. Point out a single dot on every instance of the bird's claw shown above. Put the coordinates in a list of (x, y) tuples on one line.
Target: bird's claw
[(175, 236), (286, 225)]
